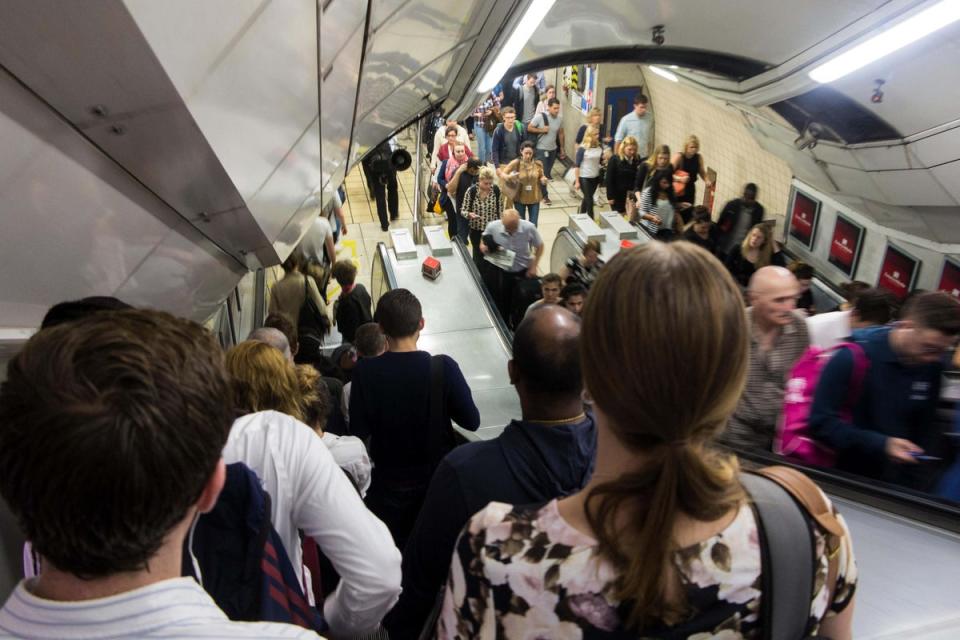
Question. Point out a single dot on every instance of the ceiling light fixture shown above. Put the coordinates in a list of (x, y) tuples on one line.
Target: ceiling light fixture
[(534, 15), (910, 30), (663, 73)]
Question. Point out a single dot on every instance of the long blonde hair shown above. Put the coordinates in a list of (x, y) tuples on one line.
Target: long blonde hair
[(655, 408), (264, 379), (765, 252), (591, 137), (629, 140), (657, 152), (691, 140)]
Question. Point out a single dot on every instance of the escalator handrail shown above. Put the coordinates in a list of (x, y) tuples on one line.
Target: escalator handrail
[(504, 332), (389, 274), (912, 505)]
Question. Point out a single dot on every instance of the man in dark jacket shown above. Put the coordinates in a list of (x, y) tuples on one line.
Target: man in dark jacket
[(352, 308), (507, 138), (737, 218), (547, 454), (892, 421)]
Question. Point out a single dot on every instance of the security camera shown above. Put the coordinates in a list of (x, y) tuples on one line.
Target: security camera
[(877, 96), (659, 35), (809, 137)]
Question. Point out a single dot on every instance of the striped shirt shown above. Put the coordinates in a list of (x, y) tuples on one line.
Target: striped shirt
[(174, 608), (662, 208), (753, 423)]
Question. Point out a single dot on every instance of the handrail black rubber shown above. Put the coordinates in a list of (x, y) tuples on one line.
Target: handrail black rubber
[(384, 257), (500, 324), (913, 505)]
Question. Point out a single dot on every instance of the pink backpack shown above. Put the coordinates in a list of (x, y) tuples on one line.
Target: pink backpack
[(793, 439)]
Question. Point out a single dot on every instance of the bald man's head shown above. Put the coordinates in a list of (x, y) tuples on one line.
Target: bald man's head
[(274, 338), (511, 220), (773, 293), (546, 353)]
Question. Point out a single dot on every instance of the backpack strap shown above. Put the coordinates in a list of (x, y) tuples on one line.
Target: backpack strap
[(785, 501), (860, 365), (435, 433)]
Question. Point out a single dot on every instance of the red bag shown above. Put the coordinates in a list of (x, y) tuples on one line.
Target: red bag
[(678, 186)]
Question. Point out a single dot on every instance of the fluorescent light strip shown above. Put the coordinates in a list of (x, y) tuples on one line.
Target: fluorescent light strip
[(663, 73), (534, 15), (885, 43)]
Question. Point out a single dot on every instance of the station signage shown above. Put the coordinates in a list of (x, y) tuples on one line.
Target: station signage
[(804, 215), (845, 245), (898, 272), (950, 278)]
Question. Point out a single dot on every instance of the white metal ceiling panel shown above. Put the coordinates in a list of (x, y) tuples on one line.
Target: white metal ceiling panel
[(940, 148), (182, 276), (948, 175), (898, 156), (916, 188)]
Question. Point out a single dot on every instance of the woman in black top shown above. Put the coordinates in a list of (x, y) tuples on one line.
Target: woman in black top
[(659, 160), (702, 231), (622, 174), (691, 162), (754, 252)]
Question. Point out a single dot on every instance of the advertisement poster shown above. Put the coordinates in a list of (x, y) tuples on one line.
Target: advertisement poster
[(950, 278), (845, 245), (898, 272), (803, 218)]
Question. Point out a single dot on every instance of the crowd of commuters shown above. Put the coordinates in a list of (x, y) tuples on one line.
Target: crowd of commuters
[(606, 509)]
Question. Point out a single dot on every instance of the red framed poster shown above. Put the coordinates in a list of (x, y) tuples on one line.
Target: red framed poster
[(898, 272), (804, 216), (845, 245), (950, 278)]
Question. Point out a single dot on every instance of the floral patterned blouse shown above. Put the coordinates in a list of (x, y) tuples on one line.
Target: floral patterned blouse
[(523, 573), (489, 208)]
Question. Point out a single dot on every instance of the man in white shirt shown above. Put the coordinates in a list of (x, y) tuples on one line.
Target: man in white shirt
[(310, 493), (111, 432)]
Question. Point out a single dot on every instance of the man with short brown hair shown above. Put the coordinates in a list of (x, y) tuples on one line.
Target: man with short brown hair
[(891, 424), (111, 433)]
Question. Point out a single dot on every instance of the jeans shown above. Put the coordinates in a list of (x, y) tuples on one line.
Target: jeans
[(529, 212), (547, 158), (453, 219), (589, 187), (484, 144)]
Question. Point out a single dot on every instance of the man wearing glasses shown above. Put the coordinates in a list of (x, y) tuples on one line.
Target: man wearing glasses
[(889, 431)]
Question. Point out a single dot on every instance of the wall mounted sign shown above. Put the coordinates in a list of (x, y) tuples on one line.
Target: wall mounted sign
[(898, 272), (804, 215), (950, 278), (845, 245)]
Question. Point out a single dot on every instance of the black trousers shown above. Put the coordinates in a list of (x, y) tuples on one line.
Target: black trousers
[(384, 190), (475, 237), (452, 218), (503, 296), (589, 188)]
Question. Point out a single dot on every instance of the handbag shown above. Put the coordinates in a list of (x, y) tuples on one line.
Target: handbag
[(511, 187), (788, 506), (680, 187), (311, 321)]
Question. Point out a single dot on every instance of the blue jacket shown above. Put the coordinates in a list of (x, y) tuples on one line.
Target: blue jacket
[(498, 141), (896, 401), (527, 463)]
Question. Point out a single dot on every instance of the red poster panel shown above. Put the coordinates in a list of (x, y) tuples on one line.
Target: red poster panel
[(803, 218), (950, 278), (898, 273), (845, 245)]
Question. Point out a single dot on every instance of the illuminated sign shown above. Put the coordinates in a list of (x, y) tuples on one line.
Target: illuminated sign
[(845, 245), (804, 216), (898, 273)]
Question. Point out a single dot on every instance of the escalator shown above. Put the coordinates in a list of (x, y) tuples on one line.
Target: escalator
[(460, 321)]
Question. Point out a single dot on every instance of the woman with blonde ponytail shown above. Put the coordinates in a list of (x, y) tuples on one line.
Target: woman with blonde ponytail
[(662, 542)]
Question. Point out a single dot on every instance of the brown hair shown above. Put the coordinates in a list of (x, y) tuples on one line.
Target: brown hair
[(344, 272), (591, 245), (315, 397), (656, 408), (263, 380), (507, 110), (111, 426), (934, 310)]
